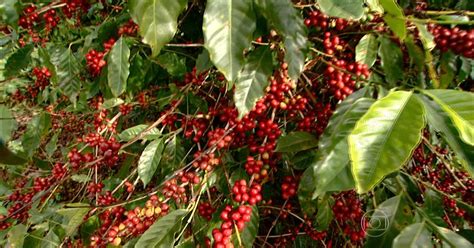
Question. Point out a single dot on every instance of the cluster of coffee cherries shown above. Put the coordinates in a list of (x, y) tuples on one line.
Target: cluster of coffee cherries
[(289, 187), (75, 7), (219, 138), (458, 40), (29, 17), (243, 194), (130, 29), (430, 166), (206, 210), (230, 216), (51, 19), (320, 20), (195, 78), (316, 120), (118, 224), (205, 162), (348, 213), (95, 62), (341, 77), (42, 79)]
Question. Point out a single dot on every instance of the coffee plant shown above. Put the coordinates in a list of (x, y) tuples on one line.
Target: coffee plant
[(236, 123)]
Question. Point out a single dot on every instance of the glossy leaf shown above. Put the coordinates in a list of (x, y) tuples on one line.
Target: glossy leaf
[(288, 22), (8, 157), (426, 37), (296, 142), (228, 27), (73, 218), (441, 122), (67, 71), (387, 221), (347, 9), (458, 106), (16, 236), (157, 20), (452, 239), (447, 69), (112, 102), (149, 160), (7, 123), (392, 60), (433, 207), (52, 145), (385, 137), (332, 172), (203, 61), (343, 121), (118, 67), (174, 152), (325, 215), (394, 17), (174, 65), (130, 133), (18, 60), (413, 236), (253, 80), (366, 50), (161, 233), (8, 12)]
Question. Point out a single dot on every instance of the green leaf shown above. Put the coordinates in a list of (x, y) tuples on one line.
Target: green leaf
[(441, 122), (392, 60), (366, 50), (228, 27), (458, 105), (16, 236), (8, 12), (447, 69), (332, 172), (161, 233), (417, 56), (67, 71), (296, 142), (7, 123), (347, 9), (174, 65), (426, 37), (433, 207), (157, 20), (452, 239), (413, 236), (80, 178), (73, 217), (325, 215), (8, 157), (253, 80), (387, 221), (18, 61), (149, 160), (394, 17), (374, 5), (288, 22), (203, 61), (384, 138), (110, 103), (343, 121), (130, 133), (174, 153), (250, 231), (52, 145), (118, 67)]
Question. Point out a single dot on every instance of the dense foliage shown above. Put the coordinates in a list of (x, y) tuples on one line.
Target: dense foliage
[(236, 123)]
